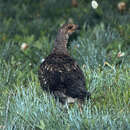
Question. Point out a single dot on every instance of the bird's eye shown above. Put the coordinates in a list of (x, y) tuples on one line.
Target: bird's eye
[(70, 27)]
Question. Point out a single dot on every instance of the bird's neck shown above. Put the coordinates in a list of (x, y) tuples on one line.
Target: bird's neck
[(60, 45)]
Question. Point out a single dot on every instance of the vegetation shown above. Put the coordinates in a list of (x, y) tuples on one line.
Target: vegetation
[(101, 48)]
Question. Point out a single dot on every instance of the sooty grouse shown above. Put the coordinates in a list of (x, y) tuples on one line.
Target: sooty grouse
[(60, 74)]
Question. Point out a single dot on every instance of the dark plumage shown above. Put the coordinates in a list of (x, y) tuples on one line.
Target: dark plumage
[(60, 74)]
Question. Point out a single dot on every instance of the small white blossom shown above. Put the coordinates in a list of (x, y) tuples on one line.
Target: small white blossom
[(24, 46), (30, 64), (94, 4), (120, 54), (121, 6), (70, 20)]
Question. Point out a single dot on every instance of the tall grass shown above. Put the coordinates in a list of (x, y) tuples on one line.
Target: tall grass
[(101, 49), (24, 105)]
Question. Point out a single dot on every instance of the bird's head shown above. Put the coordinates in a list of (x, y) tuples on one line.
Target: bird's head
[(68, 29), (60, 45)]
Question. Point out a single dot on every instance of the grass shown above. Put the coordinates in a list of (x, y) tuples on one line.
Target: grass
[(104, 34), (28, 108), (23, 104)]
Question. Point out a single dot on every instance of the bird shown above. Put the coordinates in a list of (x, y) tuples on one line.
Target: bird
[(59, 74)]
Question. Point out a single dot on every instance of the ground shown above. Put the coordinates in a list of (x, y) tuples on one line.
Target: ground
[(101, 48)]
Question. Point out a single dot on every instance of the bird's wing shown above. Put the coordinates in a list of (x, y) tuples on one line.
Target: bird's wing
[(62, 73)]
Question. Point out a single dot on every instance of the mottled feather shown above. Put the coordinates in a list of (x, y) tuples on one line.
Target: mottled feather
[(60, 74)]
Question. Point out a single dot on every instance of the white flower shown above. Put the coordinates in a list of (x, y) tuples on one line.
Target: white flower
[(24, 46), (70, 20), (120, 54), (121, 6), (94, 4)]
